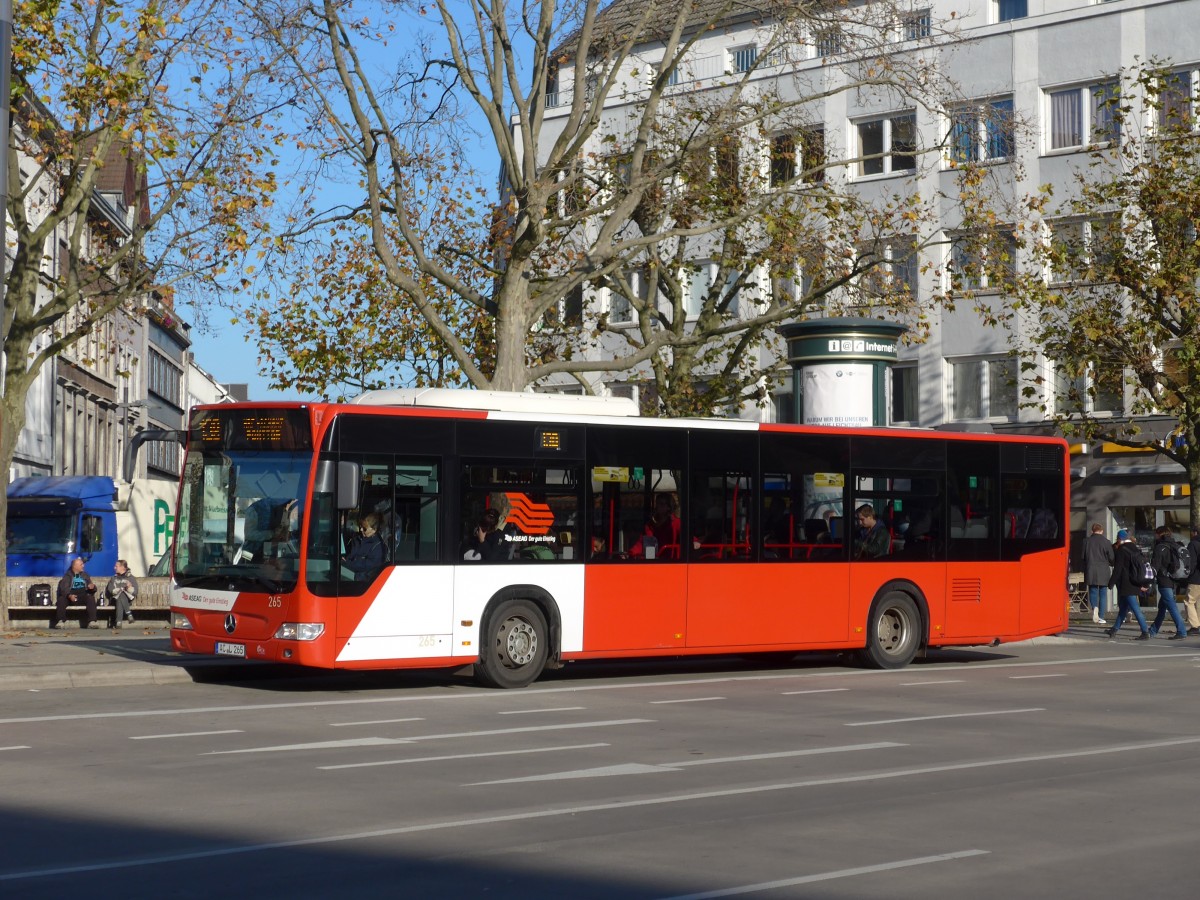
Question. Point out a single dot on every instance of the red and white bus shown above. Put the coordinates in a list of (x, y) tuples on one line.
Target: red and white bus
[(618, 536)]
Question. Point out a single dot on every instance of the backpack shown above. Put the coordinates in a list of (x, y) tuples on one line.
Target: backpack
[(1147, 578), (1182, 563)]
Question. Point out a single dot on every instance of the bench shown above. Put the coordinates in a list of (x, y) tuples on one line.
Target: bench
[(153, 602)]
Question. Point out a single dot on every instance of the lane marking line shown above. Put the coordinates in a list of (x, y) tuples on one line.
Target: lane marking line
[(995, 712), (421, 759), (648, 768), (181, 734), (830, 876), (379, 742), (687, 700), (496, 696), (559, 812), (375, 722), (529, 712)]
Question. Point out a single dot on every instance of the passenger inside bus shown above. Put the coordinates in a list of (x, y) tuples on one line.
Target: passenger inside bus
[(486, 541), (875, 540), (660, 539), (366, 556)]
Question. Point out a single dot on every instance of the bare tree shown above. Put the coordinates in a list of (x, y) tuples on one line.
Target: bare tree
[(1112, 309), (180, 95), (710, 214)]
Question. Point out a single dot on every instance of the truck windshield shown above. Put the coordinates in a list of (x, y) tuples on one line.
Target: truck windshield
[(239, 521), (40, 533)]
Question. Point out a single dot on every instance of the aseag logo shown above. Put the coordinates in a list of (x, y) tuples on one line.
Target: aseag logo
[(531, 517)]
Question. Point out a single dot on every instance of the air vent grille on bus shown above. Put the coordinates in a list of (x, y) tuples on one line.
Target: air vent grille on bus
[(966, 590), (1043, 459)]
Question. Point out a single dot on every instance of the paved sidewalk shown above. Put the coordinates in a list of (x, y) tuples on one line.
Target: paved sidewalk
[(42, 659)]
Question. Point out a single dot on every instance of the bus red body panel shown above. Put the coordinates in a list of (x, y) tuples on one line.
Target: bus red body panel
[(275, 496)]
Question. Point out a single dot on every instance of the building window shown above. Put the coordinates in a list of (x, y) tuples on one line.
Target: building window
[(892, 272), (982, 262), (742, 59), (798, 155), (904, 394), (1084, 115), (916, 25), (164, 379), (1096, 389), (982, 131), (1007, 10), (887, 145), (1174, 101), (1083, 250), (828, 42), (984, 388), (700, 290)]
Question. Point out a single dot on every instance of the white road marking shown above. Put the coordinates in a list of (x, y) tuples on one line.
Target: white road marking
[(923, 683), (995, 712), (1128, 671), (377, 741), (498, 696), (559, 811), (421, 759), (830, 876), (816, 691), (17, 747), (375, 722), (182, 734), (688, 700), (1047, 675), (527, 712), (646, 769)]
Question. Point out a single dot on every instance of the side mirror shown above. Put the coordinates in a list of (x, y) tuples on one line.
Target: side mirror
[(347, 476), (349, 485)]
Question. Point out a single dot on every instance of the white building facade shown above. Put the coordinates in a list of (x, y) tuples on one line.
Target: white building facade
[(1045, 67)]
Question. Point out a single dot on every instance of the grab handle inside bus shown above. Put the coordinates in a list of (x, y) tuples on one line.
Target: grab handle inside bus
[(349, 482)]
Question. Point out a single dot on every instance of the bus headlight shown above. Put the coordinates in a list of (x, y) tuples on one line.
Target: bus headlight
[(180, 622), (300, 631)]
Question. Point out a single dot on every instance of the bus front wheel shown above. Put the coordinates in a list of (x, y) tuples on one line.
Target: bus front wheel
[(893, 632), (514, 647)]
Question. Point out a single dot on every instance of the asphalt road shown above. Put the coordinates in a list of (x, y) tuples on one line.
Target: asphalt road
[(1055, 769)]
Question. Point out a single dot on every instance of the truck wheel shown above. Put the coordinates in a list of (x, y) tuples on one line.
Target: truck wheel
[(893, 632), (514, 647)]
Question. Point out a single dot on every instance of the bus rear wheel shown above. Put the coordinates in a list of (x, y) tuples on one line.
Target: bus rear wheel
[(893, 632), (514, 647)]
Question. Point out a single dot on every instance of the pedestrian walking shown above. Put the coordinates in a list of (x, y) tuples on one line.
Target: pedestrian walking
[(1097, 570), (1189, 592), (1129, 576), (1166, 561)]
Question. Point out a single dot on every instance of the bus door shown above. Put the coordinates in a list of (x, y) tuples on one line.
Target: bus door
[(635, 582)]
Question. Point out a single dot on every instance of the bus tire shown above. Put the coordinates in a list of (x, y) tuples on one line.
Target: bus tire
[(893, 632), (515, 646)]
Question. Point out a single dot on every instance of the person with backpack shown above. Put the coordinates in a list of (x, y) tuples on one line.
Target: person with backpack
[(1169, 570), (1130, 574)]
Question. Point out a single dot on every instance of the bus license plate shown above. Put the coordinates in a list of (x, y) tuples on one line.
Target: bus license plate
[(224, 649)]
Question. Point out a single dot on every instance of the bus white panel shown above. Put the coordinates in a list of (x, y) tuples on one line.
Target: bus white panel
[(474, 585), (410, 617)]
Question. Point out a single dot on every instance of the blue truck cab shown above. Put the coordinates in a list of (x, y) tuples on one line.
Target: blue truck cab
[(53, 520)]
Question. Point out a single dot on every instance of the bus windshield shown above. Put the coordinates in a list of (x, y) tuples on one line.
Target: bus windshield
[(240, 516)]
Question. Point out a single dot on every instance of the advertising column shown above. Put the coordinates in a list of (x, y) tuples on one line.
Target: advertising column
[(839, 369)]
